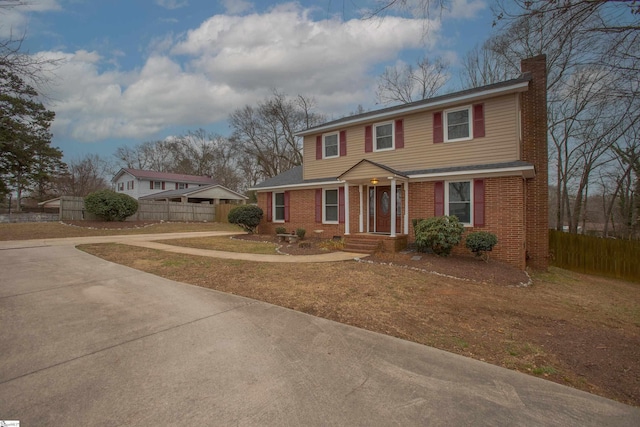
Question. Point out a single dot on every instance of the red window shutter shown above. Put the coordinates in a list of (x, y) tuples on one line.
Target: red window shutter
[(163, 185), (438, 131), (343, 143), (438, 198), (318, 147), (269, 206), (341, 205), (132, 184), (478, 120), (478, 203), (150, 185), (176, 185), (368, 139), (399, 133), (286, 206), (186, 185), (318, 205)]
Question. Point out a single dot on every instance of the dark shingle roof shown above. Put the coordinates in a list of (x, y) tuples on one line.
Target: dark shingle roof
[(290, 177), (294, 176)]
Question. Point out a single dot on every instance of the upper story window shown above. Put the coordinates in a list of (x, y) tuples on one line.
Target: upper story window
[(278, 207), (457, 124), (157, 185), (458, 200), (330, 145), (181, 186), (383, 136), (121, 186)]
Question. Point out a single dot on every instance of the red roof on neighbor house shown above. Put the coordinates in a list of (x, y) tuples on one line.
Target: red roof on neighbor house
[(166, 176)]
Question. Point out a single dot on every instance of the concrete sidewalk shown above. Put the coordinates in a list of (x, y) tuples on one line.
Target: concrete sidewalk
[(87, 342), (151, 241)]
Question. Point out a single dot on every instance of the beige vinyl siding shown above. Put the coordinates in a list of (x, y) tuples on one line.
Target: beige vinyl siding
[(500, 144)]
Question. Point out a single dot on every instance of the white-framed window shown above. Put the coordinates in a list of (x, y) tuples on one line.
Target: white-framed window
[(157, 185), (458, 124), (121, 186), (383, 136), (458, 201), (278, 207), (181, 186), (330, 147), (330, 206), (129, 185)]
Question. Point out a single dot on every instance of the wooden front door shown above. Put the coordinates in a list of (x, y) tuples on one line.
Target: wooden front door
[(383, 209)]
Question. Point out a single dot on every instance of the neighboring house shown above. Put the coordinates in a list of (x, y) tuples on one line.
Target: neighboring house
[(213, 193), (479, 154), (150, 185)]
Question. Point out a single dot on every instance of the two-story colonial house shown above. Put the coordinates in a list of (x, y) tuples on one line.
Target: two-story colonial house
[(152, 185), (479, 154)]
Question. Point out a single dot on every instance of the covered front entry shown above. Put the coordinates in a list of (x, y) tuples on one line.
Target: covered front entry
[(383, 198)]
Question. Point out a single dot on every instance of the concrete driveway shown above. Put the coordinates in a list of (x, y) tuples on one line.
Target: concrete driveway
[(86, 342)]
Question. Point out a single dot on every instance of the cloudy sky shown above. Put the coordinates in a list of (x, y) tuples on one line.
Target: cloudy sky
[(142, 70)]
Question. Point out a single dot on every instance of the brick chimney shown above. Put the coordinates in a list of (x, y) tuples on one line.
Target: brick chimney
[(534, 151)]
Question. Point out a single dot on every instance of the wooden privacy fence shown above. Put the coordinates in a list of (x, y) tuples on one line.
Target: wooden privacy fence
[(72, 208), (615, 258), (222, 212)]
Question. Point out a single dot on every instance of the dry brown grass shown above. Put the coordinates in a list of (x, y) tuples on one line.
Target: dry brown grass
[(577, 330), (52, 230)]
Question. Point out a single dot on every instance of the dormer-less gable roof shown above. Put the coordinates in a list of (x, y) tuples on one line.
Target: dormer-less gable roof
[(519, 84), (165, 176)]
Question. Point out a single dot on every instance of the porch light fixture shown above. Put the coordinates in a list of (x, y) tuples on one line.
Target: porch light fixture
[(374, 181)]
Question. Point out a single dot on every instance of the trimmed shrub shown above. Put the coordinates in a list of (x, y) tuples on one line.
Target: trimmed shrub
[(439, 233), (110, 206), (246, 216), (300, 232), (481, 242), (281, 230)]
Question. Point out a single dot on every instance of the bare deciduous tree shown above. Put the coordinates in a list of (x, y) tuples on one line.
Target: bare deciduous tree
[(405, 83), (266, 133), (85, 175)]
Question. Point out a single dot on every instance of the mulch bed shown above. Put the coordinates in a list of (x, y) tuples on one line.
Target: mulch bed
[(462, 267)]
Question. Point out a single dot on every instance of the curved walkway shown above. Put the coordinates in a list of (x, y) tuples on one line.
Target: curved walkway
[(150, 241)]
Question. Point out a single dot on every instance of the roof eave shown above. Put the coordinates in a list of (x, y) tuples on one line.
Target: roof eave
[(517, 87), (297, 186), (525, 171)]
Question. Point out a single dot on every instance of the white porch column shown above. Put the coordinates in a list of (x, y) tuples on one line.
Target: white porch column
[(361, 218), (406, 207), (346, 208), (393, 207)]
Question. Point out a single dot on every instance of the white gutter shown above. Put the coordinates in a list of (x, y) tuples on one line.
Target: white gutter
[(516, 87), (510, 170)]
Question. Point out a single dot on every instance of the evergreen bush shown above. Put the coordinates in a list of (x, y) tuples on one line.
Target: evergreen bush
[(481, 242), (439, 233), (246, 216), (110, 206)]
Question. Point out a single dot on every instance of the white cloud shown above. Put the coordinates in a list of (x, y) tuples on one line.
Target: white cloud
[(465, 9), (15, 19), (172, 4), (224, 64), (236, 7)]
